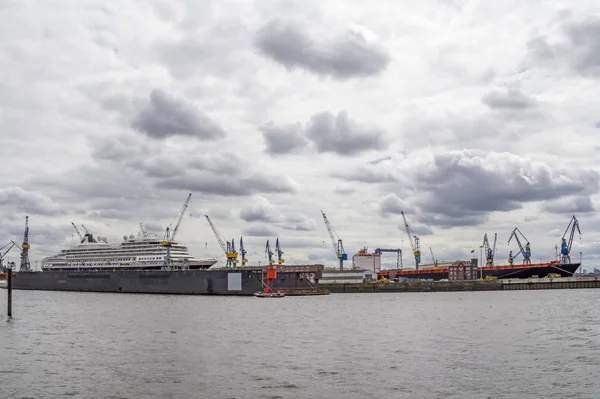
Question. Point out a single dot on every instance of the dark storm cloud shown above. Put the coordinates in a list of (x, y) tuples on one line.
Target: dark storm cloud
[(350, 55), (29, 202), (580, 49), (581, 204), (328, 133), (513, 99), (283, 139), (166, 116), (462, 188)]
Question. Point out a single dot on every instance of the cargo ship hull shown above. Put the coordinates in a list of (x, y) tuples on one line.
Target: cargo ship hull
[(247, 281), (499, 272)]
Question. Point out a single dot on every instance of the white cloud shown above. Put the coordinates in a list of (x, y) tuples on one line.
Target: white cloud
[(470, 130)]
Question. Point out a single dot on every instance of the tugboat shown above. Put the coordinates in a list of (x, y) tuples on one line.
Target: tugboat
[(269, 294)]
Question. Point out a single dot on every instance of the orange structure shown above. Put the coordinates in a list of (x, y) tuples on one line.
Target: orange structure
[(271, 275)]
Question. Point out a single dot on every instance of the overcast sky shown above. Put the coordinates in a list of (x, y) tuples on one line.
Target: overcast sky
[(471, 116)]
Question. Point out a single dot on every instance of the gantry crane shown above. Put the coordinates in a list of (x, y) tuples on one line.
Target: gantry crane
[(336, 241), (490, 252), (525, 251), (414, 244), (10, 246), (243, 252), (279, 252), (25, 264), (269, 253), (226, 246), (565, 247)]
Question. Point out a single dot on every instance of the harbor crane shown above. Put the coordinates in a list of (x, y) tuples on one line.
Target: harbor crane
[(226, 246), (279, 252), (89, 235), (269, 253), (81, 237), (243, 252), (435, 262), (565, 246), (336, 241), (10, 246), (415, 242), (490, 251), (143, 229), (170, 236), (25, 264), (525, 251)]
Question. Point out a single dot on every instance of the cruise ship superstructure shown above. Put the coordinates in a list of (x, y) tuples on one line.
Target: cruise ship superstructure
[(146, 253)]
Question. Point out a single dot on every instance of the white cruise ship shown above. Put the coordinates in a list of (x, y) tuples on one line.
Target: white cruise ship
[(141, 252)]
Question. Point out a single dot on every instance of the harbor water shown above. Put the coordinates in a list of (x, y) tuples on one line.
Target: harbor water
[(515, 344)]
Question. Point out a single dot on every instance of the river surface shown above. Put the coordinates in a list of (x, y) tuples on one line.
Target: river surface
[(518, 344)]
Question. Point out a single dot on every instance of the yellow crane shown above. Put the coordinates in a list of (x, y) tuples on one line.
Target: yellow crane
[(227, 247)]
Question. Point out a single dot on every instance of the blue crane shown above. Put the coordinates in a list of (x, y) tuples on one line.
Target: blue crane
[(336, 241), (565, 247), (279, 252), (490, 251), (525, 251), (25, 265), (269, 253), (243, 252)]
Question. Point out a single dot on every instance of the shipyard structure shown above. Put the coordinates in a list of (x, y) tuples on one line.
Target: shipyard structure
[(366, 265), (151, 265)]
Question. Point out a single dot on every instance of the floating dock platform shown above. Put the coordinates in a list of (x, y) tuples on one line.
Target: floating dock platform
[(468, 285), (290, 279)]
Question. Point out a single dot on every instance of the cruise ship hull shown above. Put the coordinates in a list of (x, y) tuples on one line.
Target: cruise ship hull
[(247, 281), (509, 271)]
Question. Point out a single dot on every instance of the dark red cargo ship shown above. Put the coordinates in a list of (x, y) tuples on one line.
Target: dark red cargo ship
[(506, 271)]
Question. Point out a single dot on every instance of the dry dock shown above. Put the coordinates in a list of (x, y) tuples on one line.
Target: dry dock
[(471, 285)]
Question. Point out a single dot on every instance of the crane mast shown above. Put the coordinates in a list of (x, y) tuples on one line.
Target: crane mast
[(225, 245), (525, 251), (566, 246), (180, 217), (269, 253), (435, 263), (279, 252), (25, 264), (490, 251), (414, 244), (336, 241), (243, 252), (81, 237)]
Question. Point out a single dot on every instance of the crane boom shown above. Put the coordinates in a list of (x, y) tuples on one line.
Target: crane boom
[(336, 241), (81, 238), (269, 253), (25, 264), (565, 249), (279, 252), (144, 232), (226, 246), (525, 251), (180, 217), (415, 244), (243, 251)]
